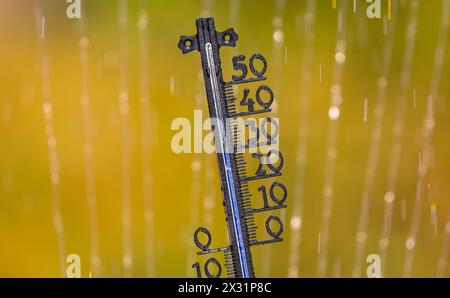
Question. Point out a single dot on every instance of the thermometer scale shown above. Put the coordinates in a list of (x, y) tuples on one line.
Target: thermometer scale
[(230, 151)]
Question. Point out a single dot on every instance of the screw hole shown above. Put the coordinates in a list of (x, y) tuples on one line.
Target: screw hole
[(227, 38)]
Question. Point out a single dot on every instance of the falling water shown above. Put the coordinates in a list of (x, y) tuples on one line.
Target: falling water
[(124, 109), (443, 257), (203, 198), (277, 50), (207, 8), (146, 139), (374, 147), (394, 161), (47, 106), (331, 153), (89, 151), (427, 147), (196, 166), (303, 126), (234, 12), (234, 21), (209, 198)]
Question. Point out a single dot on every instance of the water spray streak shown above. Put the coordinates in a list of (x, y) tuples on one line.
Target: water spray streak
[(303, 126), (235, 6), (331, 153), (234, 12), (427, 146), (146, 139), (89, 151), (443, 257), (395, 155), (374, 148), (277, 50), (124, 108), (196, 167), (209, 197), (278, 47), (58, 223)]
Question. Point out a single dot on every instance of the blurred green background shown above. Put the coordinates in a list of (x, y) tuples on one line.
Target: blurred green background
[(129, 206)]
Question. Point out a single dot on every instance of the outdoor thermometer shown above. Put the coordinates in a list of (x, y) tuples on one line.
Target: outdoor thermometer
[(230, 148)]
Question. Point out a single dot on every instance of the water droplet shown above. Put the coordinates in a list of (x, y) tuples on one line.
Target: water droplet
[(143, 20), (410, 243), (296, 223), (340, 57), (84, 42), (278, 36), (196, 166), (334, 113), (389, 197), (361, 237)]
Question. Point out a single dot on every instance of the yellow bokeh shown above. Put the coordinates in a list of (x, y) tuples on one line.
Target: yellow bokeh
[(86, 135)]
